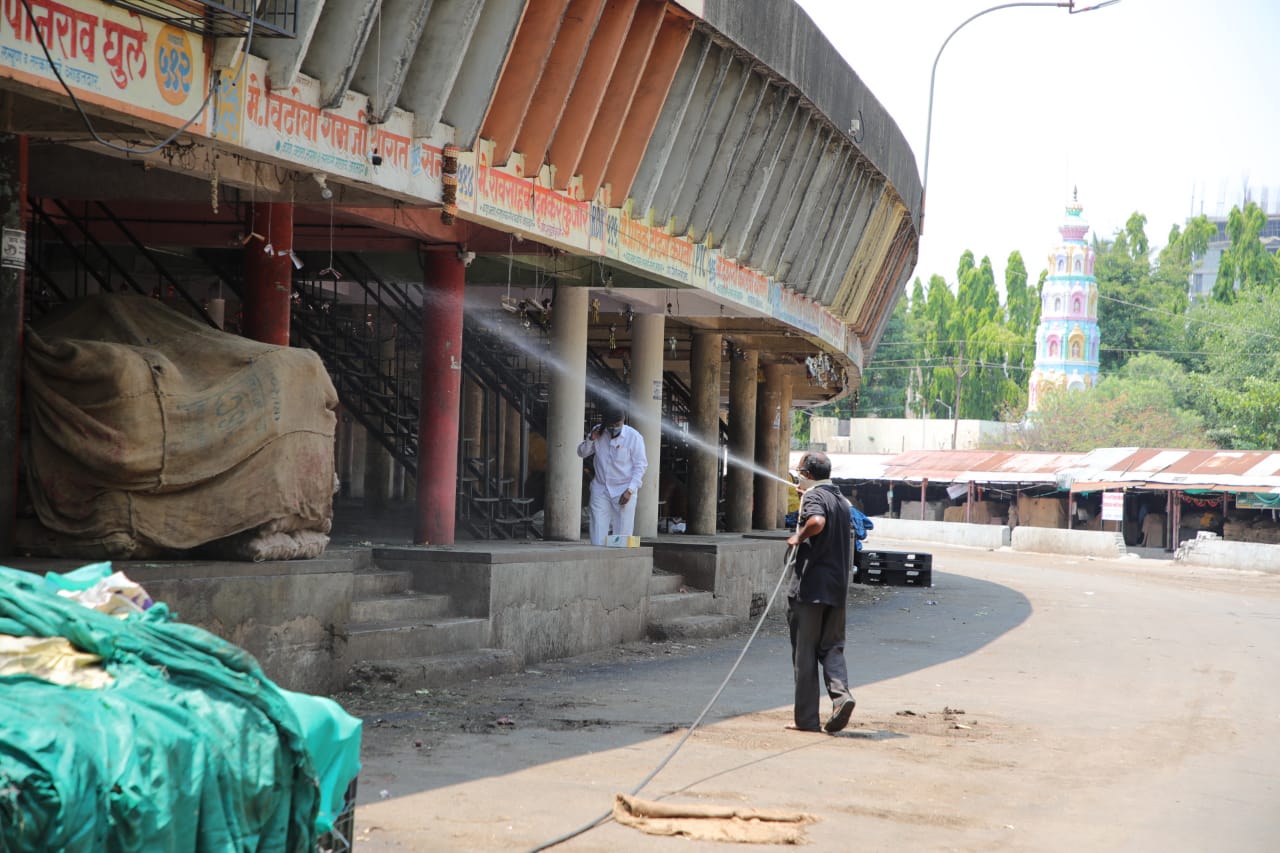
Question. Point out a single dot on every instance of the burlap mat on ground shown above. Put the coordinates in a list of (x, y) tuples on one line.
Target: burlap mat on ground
[(712, 822)]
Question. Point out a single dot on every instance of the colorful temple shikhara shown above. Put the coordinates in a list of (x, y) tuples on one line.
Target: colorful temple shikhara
[(1067, 338)]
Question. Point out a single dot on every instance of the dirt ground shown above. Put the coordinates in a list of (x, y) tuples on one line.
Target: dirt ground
[(1023, 702)]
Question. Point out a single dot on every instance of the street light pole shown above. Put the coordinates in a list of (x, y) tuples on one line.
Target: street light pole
[(1069, 5)]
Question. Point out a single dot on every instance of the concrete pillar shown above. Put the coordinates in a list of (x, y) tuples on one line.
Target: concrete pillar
[(13, 195), (704, 426), (784, 454), (768, 430), (566, 410), (437, 474), (743, 370), (647, 331), (268, 276)]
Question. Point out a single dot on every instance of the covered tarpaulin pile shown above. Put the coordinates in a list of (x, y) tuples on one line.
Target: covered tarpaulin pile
[(153, 434), (179, 744)]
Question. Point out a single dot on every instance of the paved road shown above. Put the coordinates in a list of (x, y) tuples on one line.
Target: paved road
[(1024, 703)]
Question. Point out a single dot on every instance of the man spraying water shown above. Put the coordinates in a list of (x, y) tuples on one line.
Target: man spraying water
[(817, 595), (620, 463)]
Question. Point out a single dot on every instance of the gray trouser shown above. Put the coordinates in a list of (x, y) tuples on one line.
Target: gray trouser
[(817, 637)]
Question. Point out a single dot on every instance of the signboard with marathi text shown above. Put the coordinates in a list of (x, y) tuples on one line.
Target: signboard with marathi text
[(1113, 506), (290, 125), (107, 56)]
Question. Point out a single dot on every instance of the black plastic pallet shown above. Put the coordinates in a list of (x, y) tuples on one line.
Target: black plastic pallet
[(894, 568)]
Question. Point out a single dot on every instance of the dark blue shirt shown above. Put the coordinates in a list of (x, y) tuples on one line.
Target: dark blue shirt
[(822, 562)]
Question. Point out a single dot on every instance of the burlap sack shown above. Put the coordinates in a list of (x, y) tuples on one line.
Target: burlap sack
[(152, 433)]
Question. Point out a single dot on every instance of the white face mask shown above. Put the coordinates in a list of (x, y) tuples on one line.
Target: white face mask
[(805, 484), (615, 431)]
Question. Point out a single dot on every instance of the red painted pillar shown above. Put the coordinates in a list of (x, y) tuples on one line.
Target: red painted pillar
[(440, 409), (268, 273)]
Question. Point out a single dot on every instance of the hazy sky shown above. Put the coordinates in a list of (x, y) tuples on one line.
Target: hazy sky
[(1141, 105)]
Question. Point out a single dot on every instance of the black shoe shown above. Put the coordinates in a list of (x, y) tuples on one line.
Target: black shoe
[(840, 716)]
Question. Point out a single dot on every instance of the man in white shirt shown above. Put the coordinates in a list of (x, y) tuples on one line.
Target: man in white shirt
[(620, 465)]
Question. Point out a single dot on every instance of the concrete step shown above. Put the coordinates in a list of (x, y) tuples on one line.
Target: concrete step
[(399, 607), (661, 584), (672, 604), (689, 627), (368, 584), (436, 670), (411, 638)]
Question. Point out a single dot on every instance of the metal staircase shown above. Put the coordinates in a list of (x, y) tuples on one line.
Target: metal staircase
[(368, 331)]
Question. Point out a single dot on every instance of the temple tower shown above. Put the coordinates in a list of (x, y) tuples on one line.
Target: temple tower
[(1067, 338)]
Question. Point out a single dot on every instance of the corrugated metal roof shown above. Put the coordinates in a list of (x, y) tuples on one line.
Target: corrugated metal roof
[(1214, 470), (980, 466), (1104, 468)]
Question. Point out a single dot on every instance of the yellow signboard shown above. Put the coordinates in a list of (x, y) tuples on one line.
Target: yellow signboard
[(107, 56)]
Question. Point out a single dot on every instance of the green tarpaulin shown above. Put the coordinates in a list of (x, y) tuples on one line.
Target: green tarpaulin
[(189, 748)]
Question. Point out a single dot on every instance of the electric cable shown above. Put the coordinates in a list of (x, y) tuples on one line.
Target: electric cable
[(603, 818)]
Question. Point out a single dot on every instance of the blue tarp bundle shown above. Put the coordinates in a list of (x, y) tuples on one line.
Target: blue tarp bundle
[(190, 748)]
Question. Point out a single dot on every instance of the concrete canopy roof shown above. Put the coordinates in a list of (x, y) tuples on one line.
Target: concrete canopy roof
[(731, 127)]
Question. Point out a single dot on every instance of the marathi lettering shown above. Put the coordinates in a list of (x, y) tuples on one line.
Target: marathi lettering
[(395, 149), (293, 118), (507, 191), (122, 50), (429, 162), (72, 32), (558, 216)]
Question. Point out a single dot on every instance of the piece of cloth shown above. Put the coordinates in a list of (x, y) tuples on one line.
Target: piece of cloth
[(51, 659), (861, 524), (620, 463), (705, 822)]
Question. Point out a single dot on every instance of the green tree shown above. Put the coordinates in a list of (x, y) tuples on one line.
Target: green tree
[(1237, 388), (1144, 405), (1245, 262), (1139, 310), (883, 391), (942, 330), (1022, 304)]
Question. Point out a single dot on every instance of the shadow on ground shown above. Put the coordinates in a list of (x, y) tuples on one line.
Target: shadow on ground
[(619, 698)]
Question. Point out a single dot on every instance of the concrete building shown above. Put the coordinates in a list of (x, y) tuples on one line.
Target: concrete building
[(488, 217), (898, 435)]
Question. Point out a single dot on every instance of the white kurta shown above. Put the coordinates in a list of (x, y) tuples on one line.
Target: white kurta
[(620, 464)]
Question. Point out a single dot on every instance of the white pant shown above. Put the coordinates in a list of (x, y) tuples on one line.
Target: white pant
[(607, 513)]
